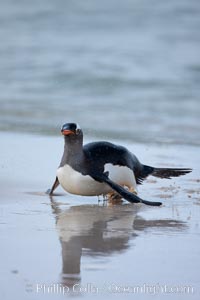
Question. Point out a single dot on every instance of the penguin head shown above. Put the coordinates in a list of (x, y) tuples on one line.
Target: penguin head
[(71, 129)]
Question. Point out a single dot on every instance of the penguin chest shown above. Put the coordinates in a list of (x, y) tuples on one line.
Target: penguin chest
[(76, 183)]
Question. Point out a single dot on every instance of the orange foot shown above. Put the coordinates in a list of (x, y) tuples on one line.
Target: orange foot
[(115, 198)]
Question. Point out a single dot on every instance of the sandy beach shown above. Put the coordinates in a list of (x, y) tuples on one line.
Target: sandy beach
[(68, 245)]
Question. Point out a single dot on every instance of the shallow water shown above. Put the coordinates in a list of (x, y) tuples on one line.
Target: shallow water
[(123, 69), (77, 246)]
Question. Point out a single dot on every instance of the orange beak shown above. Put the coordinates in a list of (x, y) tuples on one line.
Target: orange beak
[(67, 132)]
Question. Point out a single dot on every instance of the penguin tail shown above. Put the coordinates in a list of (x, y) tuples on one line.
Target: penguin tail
[(167, 173)]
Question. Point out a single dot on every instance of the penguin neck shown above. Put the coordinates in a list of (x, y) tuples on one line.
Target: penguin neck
[(73, 148)]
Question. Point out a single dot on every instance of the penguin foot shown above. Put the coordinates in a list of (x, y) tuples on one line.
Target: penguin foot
[(114, 198), (132, 190)]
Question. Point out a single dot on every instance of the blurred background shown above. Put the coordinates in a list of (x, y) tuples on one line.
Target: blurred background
[(122, 69)]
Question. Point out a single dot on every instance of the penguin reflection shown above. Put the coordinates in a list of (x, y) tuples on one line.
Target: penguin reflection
[(91, 230), (98, 230)]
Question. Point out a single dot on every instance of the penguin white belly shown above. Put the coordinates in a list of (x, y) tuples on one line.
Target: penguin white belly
[(79, 184)]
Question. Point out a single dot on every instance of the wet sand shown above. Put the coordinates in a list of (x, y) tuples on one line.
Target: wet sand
[(68, 246)]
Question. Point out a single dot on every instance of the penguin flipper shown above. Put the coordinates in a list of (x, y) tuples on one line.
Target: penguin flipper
[(132, 198), (54, 186)]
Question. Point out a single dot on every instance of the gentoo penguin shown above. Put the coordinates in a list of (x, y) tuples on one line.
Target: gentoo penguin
[(100, 168)]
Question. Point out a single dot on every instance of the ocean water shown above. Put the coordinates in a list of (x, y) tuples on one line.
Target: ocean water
[(122, 69)]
